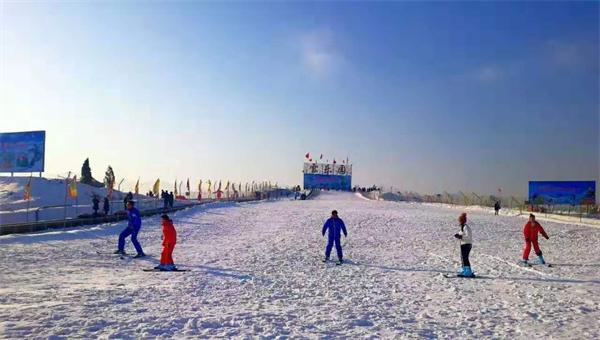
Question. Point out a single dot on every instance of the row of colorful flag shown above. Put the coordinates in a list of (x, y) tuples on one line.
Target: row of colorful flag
[(310, 159), (71, 187)]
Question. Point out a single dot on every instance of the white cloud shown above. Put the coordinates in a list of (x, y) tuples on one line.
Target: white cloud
[(572, 54), (318, 52), (489, 73)]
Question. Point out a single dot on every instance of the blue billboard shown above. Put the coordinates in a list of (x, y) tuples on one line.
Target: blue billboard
[(562, 192), (22, 151), (329, 182)]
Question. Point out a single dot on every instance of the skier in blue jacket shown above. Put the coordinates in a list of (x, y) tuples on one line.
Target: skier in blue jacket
[(336, 226), (133, 228)]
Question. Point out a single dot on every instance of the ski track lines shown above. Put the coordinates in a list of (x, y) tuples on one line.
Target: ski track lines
[(257, 271)]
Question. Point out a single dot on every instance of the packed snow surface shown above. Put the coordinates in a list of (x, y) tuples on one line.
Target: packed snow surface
[(256, 270)]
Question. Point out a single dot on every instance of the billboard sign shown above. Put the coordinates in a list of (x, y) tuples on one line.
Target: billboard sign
[(562, 192), (328, 169), (327, 176), (22, 151), (329, 182)]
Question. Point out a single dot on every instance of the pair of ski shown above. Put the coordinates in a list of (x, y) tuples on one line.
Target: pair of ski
[(166, 271), (123, 256), (459, 276), (531, 264), (338, 263)]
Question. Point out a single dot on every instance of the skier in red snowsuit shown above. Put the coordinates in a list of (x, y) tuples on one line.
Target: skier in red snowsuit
[(169, 241), (530, 232)]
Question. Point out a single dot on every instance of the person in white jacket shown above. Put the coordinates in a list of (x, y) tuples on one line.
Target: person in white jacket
[(466, 243)]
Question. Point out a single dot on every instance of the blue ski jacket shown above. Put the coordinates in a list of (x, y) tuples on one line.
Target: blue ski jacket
[(335, 226), (135, 219)]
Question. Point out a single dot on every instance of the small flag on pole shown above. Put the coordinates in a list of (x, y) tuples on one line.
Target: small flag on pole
[(137, 187), (27, 190), (73, 187), (176, 188), (188, 185), (156, 187)]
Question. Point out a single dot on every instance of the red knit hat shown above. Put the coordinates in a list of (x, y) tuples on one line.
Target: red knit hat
[(462, 219)]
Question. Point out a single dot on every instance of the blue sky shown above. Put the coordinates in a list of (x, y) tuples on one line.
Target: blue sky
[(422, 96)]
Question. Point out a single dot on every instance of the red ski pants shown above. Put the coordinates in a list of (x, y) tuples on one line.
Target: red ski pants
[(527, 248), (166, 257)]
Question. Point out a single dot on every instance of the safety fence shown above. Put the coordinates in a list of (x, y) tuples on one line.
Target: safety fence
[(91, 219), (516, 204)]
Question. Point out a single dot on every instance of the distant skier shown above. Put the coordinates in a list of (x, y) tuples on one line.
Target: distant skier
[(95, 205), (335, 226), (466, 243), (496, 207), (171, 200), (133, 228), (106, 206), (165, 197), (169, 241), (530, 232)]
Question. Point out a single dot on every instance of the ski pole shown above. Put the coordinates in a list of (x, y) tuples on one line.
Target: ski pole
[(462, 260)]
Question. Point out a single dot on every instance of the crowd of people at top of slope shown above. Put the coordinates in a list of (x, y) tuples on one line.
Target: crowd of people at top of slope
[(365, 189), (334, 226)]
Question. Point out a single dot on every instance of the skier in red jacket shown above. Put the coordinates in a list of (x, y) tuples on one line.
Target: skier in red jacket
[(530, 232), (169, 241)]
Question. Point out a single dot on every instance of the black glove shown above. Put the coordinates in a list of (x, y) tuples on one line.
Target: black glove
[(323, 234), (458, 236), (345, 235)]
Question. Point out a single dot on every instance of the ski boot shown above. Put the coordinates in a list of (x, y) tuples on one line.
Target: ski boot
[(160, 266), (524, 263), (339, 262), (325, 260), (138, 255), (119, 252), (468, 272), (541, 259), (168, 268)]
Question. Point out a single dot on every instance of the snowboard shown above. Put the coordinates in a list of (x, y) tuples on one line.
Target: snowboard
[(158, 270)]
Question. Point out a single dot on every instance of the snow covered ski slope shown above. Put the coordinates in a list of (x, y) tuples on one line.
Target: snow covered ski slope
[(256, 270)]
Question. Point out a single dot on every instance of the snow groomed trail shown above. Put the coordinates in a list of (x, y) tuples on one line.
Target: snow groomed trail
[(256, 270)]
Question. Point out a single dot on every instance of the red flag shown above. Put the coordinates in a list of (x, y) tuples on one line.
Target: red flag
[(307, 155)]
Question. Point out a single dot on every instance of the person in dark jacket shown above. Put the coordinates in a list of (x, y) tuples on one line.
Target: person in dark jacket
[(496, 207), (106, 206), (133, 227), (171, 200), (335, 226), (165, 197), (95, 204)]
